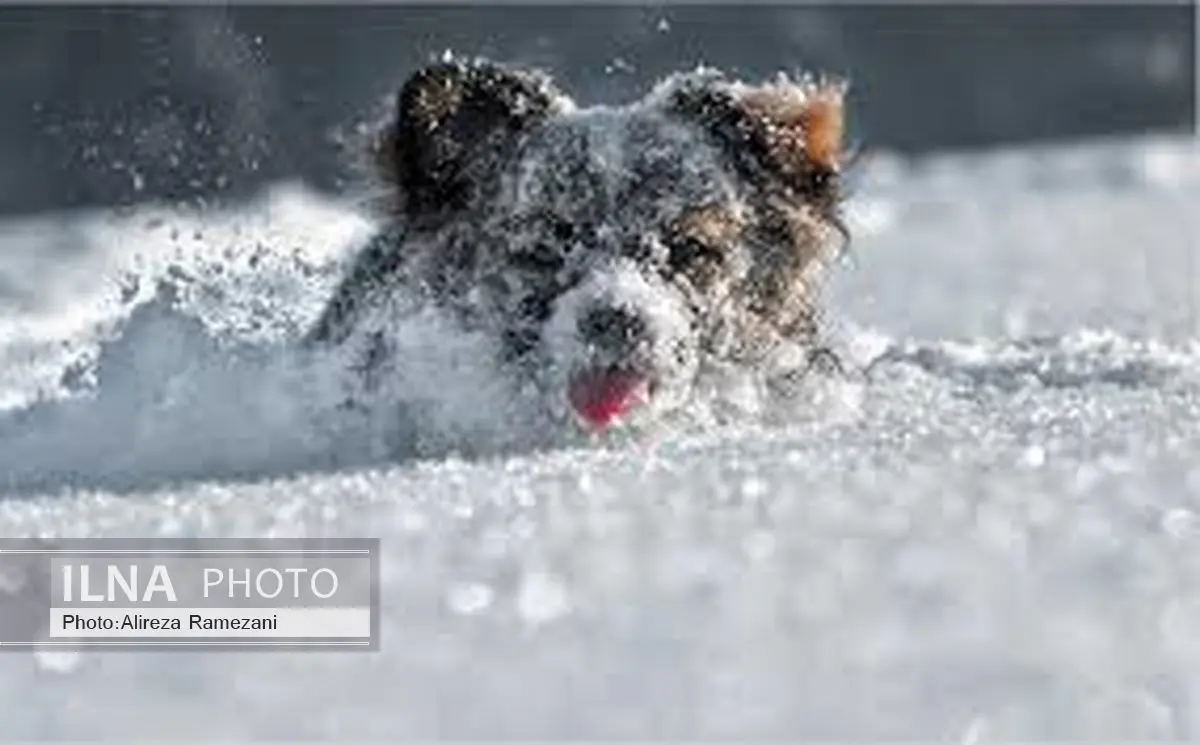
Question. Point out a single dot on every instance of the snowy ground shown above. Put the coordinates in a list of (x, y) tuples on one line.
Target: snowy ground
[(997, 535)]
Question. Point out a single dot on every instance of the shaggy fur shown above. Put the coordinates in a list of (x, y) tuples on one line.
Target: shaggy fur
[(683, 231)]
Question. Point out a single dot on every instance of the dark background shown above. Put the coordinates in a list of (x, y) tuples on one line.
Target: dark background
[(106, 105)]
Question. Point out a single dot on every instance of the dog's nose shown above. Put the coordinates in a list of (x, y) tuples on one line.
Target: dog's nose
[(616, 329)]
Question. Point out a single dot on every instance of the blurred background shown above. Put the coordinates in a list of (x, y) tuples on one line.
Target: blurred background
[(109, 106)]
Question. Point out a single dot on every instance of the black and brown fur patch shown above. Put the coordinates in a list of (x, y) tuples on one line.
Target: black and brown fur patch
[(449, 119)]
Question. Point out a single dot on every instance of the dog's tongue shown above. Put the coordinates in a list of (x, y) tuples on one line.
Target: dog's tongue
[(600, 398)]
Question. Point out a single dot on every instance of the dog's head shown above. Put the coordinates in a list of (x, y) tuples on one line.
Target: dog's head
[(622, 251)]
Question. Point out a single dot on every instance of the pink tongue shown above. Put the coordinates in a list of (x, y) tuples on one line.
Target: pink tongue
[(601, 398)]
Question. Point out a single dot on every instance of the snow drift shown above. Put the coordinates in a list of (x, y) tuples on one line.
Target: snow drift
[(989, 534)]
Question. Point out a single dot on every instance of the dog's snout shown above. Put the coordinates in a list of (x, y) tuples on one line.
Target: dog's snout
[(613, 377), (613, 328)]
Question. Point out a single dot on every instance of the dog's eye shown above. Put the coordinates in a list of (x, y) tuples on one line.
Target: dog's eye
[(698, 237), (686, 251)]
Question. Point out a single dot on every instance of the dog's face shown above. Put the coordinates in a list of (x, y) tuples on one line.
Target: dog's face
[(618, 253)]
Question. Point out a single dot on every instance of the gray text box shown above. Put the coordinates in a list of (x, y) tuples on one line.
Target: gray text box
[(164, 573)]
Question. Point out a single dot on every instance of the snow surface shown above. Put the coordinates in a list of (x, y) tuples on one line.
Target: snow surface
[(994, 534)]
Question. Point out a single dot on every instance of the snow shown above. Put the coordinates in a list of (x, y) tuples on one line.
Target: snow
[(993, 535)]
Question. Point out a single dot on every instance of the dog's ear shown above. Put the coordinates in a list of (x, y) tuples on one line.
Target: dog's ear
[(801, 127), (787, 133), (451, 121)]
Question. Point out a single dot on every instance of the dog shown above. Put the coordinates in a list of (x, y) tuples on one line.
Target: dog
[(617, 255)]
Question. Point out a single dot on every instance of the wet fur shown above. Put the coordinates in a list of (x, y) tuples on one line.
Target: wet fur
[(502, 198)]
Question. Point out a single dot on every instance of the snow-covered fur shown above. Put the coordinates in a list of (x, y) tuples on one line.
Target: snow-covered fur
[(681, 233)]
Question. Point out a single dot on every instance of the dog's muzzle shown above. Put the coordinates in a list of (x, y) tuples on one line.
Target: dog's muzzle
[(616, 378)]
